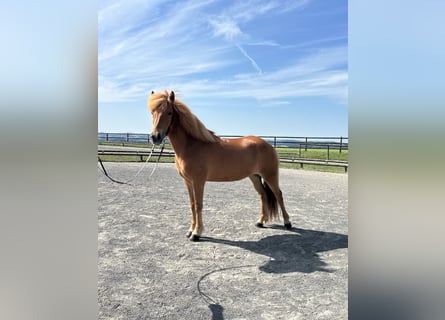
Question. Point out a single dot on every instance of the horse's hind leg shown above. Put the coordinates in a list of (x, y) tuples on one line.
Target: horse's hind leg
[(273, 184), (256, 180)]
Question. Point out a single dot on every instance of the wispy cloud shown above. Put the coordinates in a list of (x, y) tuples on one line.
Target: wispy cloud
[(314, 75), (246, 10), (226, 28), (227, 24), (111, 92), (136, 54), (267, 43), (200, 47)]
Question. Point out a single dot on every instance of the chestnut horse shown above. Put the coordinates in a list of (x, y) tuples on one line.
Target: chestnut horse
[(201, 156)]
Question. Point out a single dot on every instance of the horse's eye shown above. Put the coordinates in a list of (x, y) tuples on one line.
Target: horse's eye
[(169, 113)]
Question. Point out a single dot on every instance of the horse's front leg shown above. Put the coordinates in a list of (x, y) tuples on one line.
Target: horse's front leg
[(192, 207), (198, 191)]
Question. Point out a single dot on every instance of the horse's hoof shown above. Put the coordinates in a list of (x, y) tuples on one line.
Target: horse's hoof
[(259, 225), (288, 226), (188, 234), (194, 237)]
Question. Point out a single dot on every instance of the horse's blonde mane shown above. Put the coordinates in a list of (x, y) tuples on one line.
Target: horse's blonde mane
[(186, 119)]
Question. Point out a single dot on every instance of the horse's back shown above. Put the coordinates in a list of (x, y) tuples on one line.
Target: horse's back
[(259, 146)]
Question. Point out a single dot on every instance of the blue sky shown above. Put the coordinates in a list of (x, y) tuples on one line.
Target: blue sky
[(243, 67)]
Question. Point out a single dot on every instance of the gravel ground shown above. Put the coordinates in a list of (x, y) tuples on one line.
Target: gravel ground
[(148, 269)]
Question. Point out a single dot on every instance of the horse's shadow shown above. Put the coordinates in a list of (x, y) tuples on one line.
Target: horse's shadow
[(294, 252)]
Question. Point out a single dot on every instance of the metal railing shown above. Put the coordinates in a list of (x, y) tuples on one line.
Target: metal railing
[(290, 149), (331, 143)]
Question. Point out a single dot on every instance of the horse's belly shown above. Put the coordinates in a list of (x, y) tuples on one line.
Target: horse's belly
[(230, 171), (226, 177)]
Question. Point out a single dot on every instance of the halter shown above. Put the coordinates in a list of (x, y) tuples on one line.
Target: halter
[(104, 171)]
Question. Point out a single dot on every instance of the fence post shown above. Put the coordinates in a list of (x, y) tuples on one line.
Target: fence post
[(106, 137), (305, 147), (328, 152), (274, 142), (341, 143), (299, 150)]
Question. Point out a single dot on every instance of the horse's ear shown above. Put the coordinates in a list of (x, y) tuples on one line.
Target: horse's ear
[(172, 97)]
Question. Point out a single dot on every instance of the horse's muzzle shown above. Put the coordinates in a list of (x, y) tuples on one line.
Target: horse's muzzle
[(157, 138)]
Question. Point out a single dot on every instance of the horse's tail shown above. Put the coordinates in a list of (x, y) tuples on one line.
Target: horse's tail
[(271, 201)]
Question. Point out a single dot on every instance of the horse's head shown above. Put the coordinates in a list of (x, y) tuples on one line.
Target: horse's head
[(161, 107)]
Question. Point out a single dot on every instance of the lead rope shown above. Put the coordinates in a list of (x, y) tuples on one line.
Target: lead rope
[(104, 171)]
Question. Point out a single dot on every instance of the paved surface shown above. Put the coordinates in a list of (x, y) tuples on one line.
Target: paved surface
[(148, 269)]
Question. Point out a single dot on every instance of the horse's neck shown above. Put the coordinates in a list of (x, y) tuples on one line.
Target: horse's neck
[(179, 139)]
